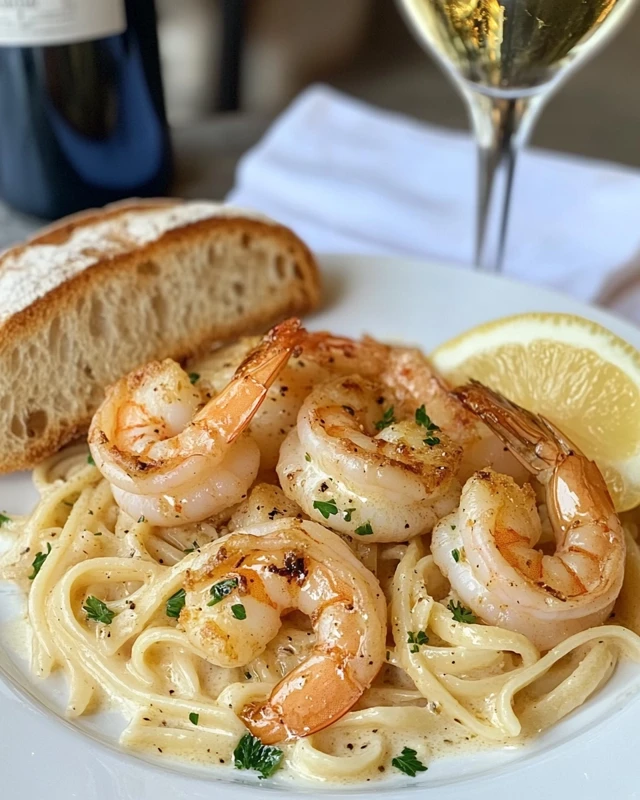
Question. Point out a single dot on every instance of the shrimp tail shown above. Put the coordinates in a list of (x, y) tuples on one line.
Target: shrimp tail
[(234, 408), (534, 441), (302, 700)]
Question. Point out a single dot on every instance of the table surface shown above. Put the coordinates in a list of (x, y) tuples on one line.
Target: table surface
[(206, 155)]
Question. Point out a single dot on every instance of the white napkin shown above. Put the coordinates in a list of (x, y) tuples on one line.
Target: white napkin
[(351, 178)]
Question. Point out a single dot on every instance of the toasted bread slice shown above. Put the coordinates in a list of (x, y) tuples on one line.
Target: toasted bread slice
[(100, 293)]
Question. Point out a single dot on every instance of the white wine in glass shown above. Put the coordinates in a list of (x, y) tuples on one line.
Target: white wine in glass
[(507, 57)]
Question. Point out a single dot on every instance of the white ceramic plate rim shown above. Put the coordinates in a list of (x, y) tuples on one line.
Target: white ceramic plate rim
[(392, 298)]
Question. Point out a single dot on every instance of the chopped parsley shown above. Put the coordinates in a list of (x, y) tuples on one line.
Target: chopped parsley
[(194, 377), (194, 718), (142, 518), (387, 419), (453, 527), (364, 530), (347, 514), (175, 604), (250, 753), (38, 561), (239, 611), (90, 460), (196, 546), (416, 640), (326, 507), (461, 614), (307, 457), (423, 419), (408, 763), (455, 555), (221, 589), (4, 519), (98, 611)]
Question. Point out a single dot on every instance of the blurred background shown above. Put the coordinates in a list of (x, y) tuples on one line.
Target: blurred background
[(364, 48)]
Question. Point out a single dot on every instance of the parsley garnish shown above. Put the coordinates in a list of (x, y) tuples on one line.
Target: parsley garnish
[(408, 763), (175, 604), (90, 460), (423, 419), (461, 614), (416, 640), (347, 514), (387, 419), (194, 718), (307, 457), (141, 518), (221, 589), (4, 518), (38, 561), (98, 611), (239, 611), (196, 546), (250, 753), (194, 377), (364, 530), (455, 555), (326, 508)]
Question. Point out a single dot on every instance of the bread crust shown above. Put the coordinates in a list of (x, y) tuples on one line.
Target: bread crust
[(64, 297)]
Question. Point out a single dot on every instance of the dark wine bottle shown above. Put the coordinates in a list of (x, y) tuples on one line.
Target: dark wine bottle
[(82, 117)]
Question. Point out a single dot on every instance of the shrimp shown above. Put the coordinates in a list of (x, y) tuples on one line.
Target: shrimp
[(413, 380), (349, 463), (171, 463), (239, 588), (487, 548)]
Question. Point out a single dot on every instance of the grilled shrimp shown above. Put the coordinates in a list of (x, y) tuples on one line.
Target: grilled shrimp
[(341, 465), (409, 375), (239, 588), (487, 548), (171, 463)]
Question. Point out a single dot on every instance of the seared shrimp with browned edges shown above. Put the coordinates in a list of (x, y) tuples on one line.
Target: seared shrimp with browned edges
[(170, 459), (240, 587), (487, 548), (350, 464)]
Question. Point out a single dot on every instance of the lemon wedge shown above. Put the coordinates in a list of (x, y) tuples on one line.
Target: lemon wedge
[(576, 373)]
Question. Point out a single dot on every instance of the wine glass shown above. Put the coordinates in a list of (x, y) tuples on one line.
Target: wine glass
[(507, 57)]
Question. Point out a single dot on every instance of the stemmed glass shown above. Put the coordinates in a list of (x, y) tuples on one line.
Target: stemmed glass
[(507, 57)]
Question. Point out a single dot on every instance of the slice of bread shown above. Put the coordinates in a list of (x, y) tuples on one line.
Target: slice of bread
[(97, 294)]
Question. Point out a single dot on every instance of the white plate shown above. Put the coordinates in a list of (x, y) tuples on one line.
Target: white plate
[(592, 754)]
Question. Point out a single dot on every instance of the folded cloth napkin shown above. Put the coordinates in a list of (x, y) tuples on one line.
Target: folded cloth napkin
[(353, 179)]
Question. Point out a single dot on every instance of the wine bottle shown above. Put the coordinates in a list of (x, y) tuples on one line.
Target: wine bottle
[(82, 117)]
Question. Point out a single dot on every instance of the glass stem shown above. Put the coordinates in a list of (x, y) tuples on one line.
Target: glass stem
[(502, 125)]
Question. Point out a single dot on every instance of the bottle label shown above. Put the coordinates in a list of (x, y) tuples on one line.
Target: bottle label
[(28, 23)]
